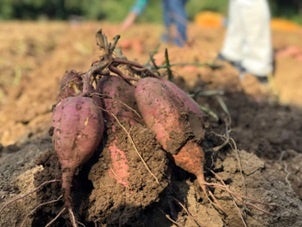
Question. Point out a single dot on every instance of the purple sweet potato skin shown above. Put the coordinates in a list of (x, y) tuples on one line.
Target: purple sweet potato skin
[(196, 117), (173, 116), (78, 129), (165, 113), (118, 100)]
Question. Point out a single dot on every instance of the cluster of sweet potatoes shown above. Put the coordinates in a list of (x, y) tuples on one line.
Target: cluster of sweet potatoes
[(93, 104)]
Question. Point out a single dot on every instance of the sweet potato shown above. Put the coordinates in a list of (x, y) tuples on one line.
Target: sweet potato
[(161, 113), (167, 111), (78, 129), (118, 100), (119, 105), (195, 115)]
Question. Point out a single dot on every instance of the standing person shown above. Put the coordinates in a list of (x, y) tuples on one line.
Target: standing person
[(174, 18), (247, 44)]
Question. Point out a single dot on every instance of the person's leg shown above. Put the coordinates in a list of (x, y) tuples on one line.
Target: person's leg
[(233, 40), (258, 54), (177, 11), (165, 13), (166, 37)]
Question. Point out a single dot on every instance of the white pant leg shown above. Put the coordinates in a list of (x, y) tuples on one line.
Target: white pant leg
[(257, 46), (234, 37), (248, 36)]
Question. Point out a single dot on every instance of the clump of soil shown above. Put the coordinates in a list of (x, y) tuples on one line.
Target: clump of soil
[(116, 203)]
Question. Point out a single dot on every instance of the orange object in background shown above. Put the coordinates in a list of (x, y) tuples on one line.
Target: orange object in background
[(209, 19), (284, 25)]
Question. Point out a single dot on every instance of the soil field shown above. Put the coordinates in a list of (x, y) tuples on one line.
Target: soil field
[(253, 135)]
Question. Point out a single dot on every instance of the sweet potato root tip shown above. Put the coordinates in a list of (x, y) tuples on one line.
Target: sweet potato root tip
[(67, 176), (191, 159)]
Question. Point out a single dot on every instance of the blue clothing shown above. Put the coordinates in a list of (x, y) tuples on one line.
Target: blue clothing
[(174, 14), (139, 6)]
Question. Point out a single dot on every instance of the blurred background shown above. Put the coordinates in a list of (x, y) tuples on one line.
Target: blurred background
[(114, 10)]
